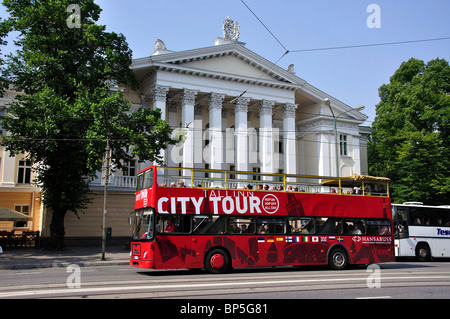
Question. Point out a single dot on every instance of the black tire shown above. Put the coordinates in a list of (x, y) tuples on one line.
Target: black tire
[(217, 261), (423, 252), (338, 259)]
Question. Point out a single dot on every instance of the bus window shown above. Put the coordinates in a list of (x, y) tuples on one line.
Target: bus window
[(173, 224), (300, 225), (329, 225), (354, 226), (400, 216), (442, 217), (270, 225), (148, 179), (418, 217), (378, 227), (208, 224), (240, 225)]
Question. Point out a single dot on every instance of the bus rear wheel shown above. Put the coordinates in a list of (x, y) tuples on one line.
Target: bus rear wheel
[(338, 259), (217, 261)]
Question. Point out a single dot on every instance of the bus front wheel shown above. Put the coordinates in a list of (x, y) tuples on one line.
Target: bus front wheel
[(423, 252), (217, 261)]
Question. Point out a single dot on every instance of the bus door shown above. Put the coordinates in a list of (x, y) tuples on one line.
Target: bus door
[(401, 233), (173, 242)]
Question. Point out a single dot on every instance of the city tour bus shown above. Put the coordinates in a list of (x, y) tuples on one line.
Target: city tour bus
[(195, 219), (421, 231)]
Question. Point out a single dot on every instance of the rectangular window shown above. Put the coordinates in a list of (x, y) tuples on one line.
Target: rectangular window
[(329, 225), (173, 224), (378, 227), (24, 209), (24, 172), (354, 226), (208, 224), (129, 168), (148, 179), (270, 225), (343, 144), (300, 225), (241, 225)]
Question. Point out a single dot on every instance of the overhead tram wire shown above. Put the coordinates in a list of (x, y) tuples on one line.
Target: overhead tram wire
[(274, 63), (287, 51), (369, 45)]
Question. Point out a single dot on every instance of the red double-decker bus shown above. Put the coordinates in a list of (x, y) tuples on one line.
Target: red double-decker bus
[(193, 218)]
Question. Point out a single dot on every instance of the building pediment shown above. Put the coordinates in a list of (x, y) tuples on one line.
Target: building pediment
[(231, 62)]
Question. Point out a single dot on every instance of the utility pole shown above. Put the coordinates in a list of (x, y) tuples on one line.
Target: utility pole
[(105, 191)]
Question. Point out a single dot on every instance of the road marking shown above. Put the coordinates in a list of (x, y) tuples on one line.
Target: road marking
[(192, 285), (378, 297)]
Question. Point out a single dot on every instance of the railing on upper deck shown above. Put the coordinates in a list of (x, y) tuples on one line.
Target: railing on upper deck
[(237, 180)]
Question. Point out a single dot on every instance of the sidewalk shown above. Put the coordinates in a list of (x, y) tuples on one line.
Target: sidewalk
[(28, 258)]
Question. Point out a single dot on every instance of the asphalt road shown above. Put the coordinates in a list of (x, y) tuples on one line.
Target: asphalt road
[(407, 280)]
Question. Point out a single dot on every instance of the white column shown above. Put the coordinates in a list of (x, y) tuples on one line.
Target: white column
[(290, 164), (324, 155), (159, 102), (187, 124), (266, 137), (215, 130), (241, 127), (173, 151), (198, 136), (159, 99)]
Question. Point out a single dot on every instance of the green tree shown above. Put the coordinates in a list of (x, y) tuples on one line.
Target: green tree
[(411, 132), (67, 109)]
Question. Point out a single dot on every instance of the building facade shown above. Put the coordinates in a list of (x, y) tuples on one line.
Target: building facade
[(237, 111), (17, 191)]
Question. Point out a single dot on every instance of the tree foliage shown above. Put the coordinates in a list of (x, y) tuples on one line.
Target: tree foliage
[(411, 132), (67, 109)]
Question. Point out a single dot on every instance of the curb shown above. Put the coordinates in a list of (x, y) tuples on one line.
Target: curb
[(64, 264)]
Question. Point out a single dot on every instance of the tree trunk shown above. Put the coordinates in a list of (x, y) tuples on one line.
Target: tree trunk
[(57, 231)]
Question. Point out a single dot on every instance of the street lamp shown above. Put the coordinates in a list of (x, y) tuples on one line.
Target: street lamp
[(358, 108)]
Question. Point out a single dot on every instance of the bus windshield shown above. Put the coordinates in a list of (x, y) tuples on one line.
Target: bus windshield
[(143, 224)]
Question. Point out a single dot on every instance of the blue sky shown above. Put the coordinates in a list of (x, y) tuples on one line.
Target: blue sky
[(350, 75)]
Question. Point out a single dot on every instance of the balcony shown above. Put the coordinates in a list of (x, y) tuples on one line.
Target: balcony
[(123, 181), (119, 181)]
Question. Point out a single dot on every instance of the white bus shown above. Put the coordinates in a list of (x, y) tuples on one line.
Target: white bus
[(421, 231)]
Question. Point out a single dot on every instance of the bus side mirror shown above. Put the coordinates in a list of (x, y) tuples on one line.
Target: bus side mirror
[(130, 219)]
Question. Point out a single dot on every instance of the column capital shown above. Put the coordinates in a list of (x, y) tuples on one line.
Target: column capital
[(242, 104), (215, 101), (145, 101), (159, 93), (188, 97), (266, 107), (289, 110)]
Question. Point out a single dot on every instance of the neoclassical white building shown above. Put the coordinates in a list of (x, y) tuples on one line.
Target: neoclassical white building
[(241, 112)]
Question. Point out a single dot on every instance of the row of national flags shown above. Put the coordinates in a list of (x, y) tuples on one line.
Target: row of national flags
[(300, 239)]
